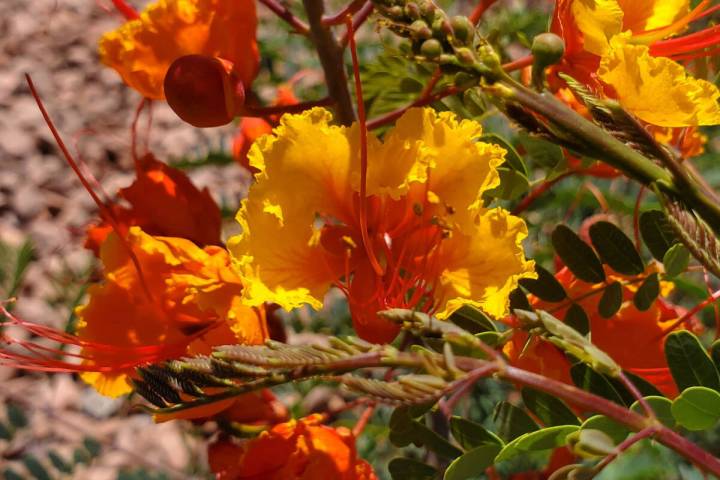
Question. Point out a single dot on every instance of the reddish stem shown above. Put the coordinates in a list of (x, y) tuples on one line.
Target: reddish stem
[(690, 313), (349, 9), (359, 19), (126, 9), (395, 114), (363, 420), (253, 111), (283, 12), (104, 210), (479, 10), (518, 64), (623, 446), (539, 191)]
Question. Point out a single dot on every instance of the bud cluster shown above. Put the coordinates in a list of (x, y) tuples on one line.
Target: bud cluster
[(452, 43)]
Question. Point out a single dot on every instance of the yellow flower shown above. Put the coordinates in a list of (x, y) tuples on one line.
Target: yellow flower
[(141, 50), (429, 242), (620, 43), (656, 89)]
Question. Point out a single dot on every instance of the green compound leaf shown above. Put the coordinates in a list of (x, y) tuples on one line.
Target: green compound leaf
[(647, 293), (549, 409), (689, 363), (661, 406), (611, 300), (513, 184), (576, 318), (676, 260), (616, 431), (512, 421), (697, 408), (588, 379), (577, 255), (471, 435), (473, 463), (545, 287), (408, 469), (616, 249), (545, 439), (657, 233), (473, 320)]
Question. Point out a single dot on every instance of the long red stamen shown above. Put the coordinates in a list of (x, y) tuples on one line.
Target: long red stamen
[(363, 152), (655, 34), (105, 212), (126, 9)]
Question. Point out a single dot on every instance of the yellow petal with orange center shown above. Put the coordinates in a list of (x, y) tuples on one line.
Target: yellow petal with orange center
[(481, 269), (599, 21), (643, 15), (141, 50), (656, 89)]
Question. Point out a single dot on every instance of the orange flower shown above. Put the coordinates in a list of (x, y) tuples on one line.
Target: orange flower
[(170, 299), (297, 450), (142, 49), (634, 339), (163, 201)]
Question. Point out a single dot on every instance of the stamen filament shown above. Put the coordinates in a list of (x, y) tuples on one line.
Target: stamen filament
[(363, 152)]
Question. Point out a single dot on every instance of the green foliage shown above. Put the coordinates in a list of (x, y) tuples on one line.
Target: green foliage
[(550, 410), (645, 296), (544, 439), (611, 300), (657, 233), (689, 363), (545, 287), (512, 421), (661, 406), (472, 463), (473, 320), (697, 408), (406, 429), (471, 435), (577, 255), (616, 249), (577, 319), (676, 260), (14, 262)]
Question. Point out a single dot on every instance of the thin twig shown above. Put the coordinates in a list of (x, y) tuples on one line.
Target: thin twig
[(283, 12), (331, 58), (349, 9)]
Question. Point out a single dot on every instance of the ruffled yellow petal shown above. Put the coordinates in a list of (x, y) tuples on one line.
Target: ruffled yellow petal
[(656, 89), (462, 168), (599, 21), (482, 269), (643, 15), (141, 50)]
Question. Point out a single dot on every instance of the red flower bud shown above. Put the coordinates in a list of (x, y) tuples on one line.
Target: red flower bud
[(203, 91)]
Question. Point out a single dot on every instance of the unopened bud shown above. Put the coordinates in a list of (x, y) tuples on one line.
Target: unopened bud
[(420, 30), (203, 91), (395, 12), (547, 49), (464, 80), (412, 10), (428, 9), (463, 28), (464, 55), (431, 48)]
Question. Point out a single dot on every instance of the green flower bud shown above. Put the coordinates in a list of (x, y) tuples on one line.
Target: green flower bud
[(464, 80), (420, 30), (463, 28), (431, 48), (464, 55), (412, 10), (548, 49)]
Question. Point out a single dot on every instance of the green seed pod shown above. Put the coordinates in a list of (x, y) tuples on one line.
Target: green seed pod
[(464, 80), (420, 30), (427, 10), (463, 28), (548, 49), (464, 55), (412, 11), (431, 48)]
